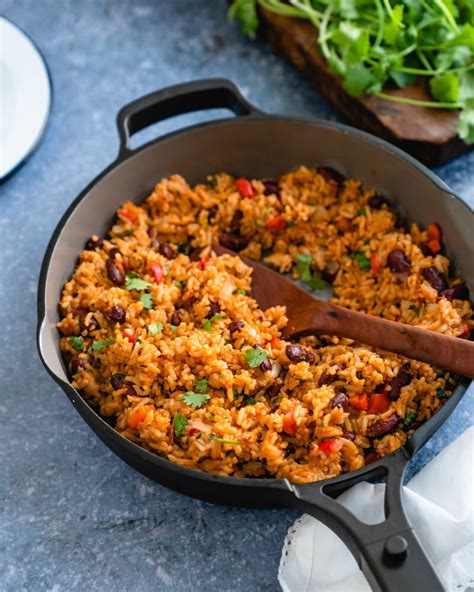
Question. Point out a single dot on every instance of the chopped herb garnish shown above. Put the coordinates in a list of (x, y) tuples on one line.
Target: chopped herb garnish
[(196, 400), (167, 269), (179, 423), (291, 223), (415, 309), (173, 328), (224, 440), (179, 284), (154, 328), (98, 345), (241, 291), (441, 393), (127, 232), (212, 180), (146, 300), (184, 248), (361, 212), (303, 265), (248, 401), (201, 385), (133, 282), (409, 418), (208, 323), (76, 343), (361, 259), (255, 356)]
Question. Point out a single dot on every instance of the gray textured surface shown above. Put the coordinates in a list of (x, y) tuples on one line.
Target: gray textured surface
[(73, 516)]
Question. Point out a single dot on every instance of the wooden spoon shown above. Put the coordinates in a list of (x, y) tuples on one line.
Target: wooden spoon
[(308, 316)]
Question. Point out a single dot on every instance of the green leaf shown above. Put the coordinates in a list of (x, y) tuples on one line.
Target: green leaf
[(255, 356), (466, 86), (466, 123), (410, 418), (155, 328), (179, 423), (361, 259), (245, 12), (201, 385), (173, 328), (401, 79), (241, 291), (179, 284), (133, 282), (360, 212), (248, 401), (184, 248), (441, 393), (224, 440), (303, 265), (147, 300), (358, 80), (98, 345), (445, 88), (76, 343), (208, 323), (196, 400)]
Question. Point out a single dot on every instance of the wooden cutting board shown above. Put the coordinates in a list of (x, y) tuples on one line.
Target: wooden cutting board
[(429, 134)]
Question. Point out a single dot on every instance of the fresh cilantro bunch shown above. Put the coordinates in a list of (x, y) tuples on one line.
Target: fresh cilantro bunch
[(370, 43)]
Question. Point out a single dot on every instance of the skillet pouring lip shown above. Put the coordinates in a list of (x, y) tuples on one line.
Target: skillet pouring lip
[(420, 436)]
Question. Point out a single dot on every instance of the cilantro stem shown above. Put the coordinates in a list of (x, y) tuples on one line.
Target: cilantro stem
[(418, 102), (447, 15)]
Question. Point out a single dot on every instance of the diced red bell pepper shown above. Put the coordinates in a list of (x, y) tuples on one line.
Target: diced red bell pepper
[(203, 262), (371, 457), (193, 431), (157, 272), (374, 263), (330, 446), (360, 402), (276, 223), (289, 422), (465, 330), (128, 334), (245, 187), (378, 403), (435, 232), (275, 342), (434, 246)]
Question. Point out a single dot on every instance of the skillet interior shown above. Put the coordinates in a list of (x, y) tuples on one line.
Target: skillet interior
[(255, 147)]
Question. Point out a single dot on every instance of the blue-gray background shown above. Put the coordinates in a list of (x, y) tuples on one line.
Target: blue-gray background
[(73, 516)]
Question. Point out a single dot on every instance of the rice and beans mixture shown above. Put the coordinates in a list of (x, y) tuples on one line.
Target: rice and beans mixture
[(162, 337)]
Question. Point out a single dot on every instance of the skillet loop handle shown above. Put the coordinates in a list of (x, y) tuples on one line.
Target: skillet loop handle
[(389, 554), (213, 93)]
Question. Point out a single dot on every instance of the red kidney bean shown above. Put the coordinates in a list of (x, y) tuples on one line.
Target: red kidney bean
[(232, 242), (377, 201), (236, 326), (397, 261), (113, 253), (271, 187), (114, 274), (214, 308), (118, 382), (211, 214), (176, 318), (94, 243), (166, 250), (92, 324), (76, 363), (456, 292), (326, 378), (403, 378), (340, 400), (266, 365), (383, 426), (348, 436), (435, 278), (236, 220), (117, 313), (297, 353), (371, 457)]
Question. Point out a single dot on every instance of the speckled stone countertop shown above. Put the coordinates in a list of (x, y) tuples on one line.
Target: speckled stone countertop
[(72, 515)]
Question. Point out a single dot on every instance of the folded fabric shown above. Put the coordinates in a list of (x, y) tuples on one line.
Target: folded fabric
[(439, 504)]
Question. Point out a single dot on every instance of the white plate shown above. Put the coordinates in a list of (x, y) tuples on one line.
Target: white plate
[(25, 97)]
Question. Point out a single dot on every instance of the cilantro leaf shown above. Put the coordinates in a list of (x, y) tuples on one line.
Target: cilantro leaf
[(445, 88), (208, 324), (179, 423), (98, 345), (173, 328), (303, 265), (410, 418), (147, 300), (196, 400), (441, 393), (361, 259), (359, 80), (179, 284), (255, 356), (245, 11), (466, 123), (241, 291), (154, 328), (201, 385), (76, 343), (133, 282)]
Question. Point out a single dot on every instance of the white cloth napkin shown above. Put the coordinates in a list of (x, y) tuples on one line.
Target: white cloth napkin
[(439, 504)]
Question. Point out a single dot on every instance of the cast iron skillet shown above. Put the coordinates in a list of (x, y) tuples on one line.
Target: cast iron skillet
[(255, 144)]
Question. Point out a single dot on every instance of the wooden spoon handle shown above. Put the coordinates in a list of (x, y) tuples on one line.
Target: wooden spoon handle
[(451, 353)]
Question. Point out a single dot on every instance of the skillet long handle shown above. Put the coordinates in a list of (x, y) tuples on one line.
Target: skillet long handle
[(451, 353), (390, 554)]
